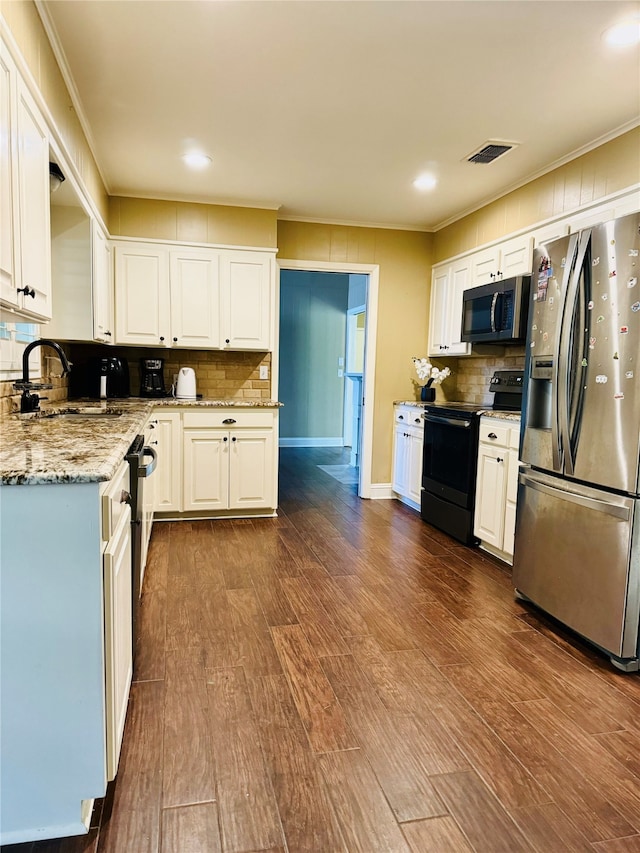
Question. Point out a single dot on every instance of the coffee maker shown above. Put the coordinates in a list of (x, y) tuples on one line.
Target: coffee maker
[(152, 378)]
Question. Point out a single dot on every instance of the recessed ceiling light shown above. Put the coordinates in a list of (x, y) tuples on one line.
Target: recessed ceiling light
[(425, 182), (625, 33), (195, 160)]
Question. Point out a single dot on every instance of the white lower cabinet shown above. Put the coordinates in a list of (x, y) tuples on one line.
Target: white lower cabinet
[(117, 637), (216, 461), (497, 485), (168, 475), (407, 454)]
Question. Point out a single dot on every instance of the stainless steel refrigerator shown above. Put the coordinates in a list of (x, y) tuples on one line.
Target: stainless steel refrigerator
[(577, 550)]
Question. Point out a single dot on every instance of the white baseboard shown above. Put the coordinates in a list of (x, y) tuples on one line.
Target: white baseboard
[(311, 442), (380, 491)]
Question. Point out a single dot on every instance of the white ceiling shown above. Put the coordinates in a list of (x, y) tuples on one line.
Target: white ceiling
[(329, 110)]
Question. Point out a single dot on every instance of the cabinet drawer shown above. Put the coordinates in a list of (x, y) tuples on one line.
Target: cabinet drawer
[(114, 500), (492, 432), (408, 415), (227, 419)]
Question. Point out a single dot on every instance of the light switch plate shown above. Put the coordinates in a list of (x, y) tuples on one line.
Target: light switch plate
[(264, 371)]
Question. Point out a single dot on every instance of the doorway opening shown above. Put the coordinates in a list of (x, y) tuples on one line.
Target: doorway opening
[(326, 362)]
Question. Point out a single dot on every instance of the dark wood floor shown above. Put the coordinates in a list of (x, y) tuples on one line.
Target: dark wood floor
[(347, 678)]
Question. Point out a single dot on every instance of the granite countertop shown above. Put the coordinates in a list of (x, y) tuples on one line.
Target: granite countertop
[(217, 404), (503, 416), (415, 403), (41, 448)]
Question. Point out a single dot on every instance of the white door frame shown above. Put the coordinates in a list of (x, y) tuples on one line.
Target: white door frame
[(369, 374)]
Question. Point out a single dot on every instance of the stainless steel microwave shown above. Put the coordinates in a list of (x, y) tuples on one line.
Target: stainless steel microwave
[(496, 311)]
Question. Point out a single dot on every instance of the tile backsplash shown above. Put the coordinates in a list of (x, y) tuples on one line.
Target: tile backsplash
[(51, 370), (219, 375), (472, 375)]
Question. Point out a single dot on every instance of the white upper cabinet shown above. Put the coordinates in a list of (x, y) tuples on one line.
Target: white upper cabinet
[(448, 283), (102, 281), (247, 295), (25, 243), (508, 259), (195, 299), (142, 294), (8, 287)]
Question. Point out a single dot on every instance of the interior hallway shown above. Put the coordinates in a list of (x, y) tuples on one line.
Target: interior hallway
[(346, 678)]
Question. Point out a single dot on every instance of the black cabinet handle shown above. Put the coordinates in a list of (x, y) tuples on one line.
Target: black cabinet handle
[(108, 334), (229, 421), (161, 337), (499, 459), (400, 417), (175, 340), (234, 438), (29, 291), (226, 340), (492, 436), (225, 438)]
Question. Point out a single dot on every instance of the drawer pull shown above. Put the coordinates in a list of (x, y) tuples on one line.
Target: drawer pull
[(499, 459), (400, 417), (225, 438), (492, 436), (125, 497), (229, 421)]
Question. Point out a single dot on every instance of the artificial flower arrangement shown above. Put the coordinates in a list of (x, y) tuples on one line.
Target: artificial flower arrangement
[(429, 376)]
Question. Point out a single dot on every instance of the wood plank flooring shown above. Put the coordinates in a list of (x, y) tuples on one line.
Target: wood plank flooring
[(347, 679)]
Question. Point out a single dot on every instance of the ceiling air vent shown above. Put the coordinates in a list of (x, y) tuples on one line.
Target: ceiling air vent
[(490, 151)]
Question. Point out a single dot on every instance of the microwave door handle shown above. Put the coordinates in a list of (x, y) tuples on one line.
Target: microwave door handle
[(493, 311)]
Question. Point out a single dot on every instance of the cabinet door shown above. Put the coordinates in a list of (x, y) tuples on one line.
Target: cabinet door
[(117, 639), (102, 286), (490, 495), (414, 484), (485, 266), (247, 294), (33, 203), (252, 469), (195, 299), (142, 295), (438, 311), (400, 476), (516, 256), (8, 243), (460, 280), (168, 474), (206, 469), (511, 500)]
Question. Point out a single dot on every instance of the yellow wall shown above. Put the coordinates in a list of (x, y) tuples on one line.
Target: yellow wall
[(29, 34), (603, 171), (404, 258), (192, 223)]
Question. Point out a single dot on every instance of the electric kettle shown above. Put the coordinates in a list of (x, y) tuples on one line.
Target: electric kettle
[(185, 387)]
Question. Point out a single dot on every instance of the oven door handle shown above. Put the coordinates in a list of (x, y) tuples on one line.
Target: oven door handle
[(454, 422), (147, 470)]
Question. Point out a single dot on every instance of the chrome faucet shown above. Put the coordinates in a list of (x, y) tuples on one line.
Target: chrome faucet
[(31, 402)]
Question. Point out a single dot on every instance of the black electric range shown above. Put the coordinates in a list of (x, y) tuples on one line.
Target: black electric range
[(450, 456)]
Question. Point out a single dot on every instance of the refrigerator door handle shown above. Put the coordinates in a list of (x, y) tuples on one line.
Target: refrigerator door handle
[(556, 440), (607, 507), (564, 373)]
